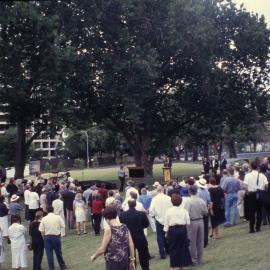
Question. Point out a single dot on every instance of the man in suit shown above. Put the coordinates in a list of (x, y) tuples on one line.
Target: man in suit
[(206, 165), (136, 222), (223, 164), (214, 165)]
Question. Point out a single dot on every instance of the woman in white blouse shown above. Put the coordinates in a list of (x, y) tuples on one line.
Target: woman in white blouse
[(33, 204), (176, 220)]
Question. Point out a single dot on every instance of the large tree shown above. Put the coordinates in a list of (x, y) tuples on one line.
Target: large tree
[(35, 63), (157, 64)]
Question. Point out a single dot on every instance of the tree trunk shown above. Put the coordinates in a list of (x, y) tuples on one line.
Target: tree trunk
[(206, 150), (147, 162), (232, 150), (21, 151), (137, 157), (195, 153), (143, 159)]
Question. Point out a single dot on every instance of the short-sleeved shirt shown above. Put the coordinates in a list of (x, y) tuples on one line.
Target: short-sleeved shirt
[(33, 200), (176, 215), (232, 185), (145, 200), (51, 224), (251, 180), (26, 196)]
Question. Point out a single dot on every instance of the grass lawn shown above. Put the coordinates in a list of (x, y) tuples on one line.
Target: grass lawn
[(111, 173), (237, 250)]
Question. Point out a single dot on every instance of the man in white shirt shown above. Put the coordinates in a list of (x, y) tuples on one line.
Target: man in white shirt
[(50, 227), (134, 196), (159, 205), (255, 181), (26, 201), (131, 188)]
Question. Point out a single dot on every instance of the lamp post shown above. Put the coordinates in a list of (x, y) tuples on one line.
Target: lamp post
[(87, 147)]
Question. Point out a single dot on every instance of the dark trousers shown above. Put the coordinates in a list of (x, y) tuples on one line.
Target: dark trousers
[(32, 214), (96, 222), (38, 251), (265, 216), (161, 240), (255, 212), (26, 212), (70, 219), (53, 243), (122, 183), (206, 223), (144, 255), (246, 207)]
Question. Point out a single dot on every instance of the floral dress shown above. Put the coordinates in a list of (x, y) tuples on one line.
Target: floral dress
[(117, 253)]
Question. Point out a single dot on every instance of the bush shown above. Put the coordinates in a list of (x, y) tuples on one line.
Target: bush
[(47, 167), (79, 163), (60, 166), (95, 161)]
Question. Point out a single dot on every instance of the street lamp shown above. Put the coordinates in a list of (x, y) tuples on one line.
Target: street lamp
[(87, 147)]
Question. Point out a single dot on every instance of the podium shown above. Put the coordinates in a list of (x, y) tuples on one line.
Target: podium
[(136, 172), (167, 174)]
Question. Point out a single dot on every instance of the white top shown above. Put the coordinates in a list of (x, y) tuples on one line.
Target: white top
[(26, 196), (121, 173), (33, 200), (70, 179), (139, 206), (251, 181), (159, 205), (51, 224), (109, 201), (184, 201), (132, 189), (16, 234), (176, 215), (58, 207)]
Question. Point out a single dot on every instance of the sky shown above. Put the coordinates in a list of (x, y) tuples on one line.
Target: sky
[(257, 6)]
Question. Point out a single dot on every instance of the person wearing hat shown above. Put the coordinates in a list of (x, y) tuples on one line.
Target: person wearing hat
[(205, 196), (14, 206), (154, 192), (197, 209)]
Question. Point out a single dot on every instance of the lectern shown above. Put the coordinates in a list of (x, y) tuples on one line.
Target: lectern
[(167, 174)]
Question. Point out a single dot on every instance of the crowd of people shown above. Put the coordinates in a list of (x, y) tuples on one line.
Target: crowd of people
[(183, 214)]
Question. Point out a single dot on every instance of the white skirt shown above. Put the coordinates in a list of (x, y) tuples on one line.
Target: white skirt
[(80, 215), (4, 225)]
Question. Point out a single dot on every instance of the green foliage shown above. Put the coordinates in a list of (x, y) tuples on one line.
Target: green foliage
[(8, 147), (101, 141), (169, 67), (47, 167), (60, 166), (35, 64), (79, 163)]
